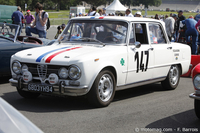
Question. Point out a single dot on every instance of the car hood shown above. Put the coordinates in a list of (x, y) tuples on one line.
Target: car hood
[(12, 121), (60, 54)]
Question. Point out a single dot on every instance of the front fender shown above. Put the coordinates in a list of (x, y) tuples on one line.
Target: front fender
[(195, 70)]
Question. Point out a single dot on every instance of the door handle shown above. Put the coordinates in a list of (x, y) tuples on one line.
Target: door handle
[(150, 49), (169, 48)]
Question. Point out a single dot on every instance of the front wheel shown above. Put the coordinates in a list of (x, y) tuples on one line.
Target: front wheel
[(197, 108), (103, 89), (173, 77), (28, 95)]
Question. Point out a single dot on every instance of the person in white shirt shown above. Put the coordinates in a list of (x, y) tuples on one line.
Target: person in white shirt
[(94, 12), (128, 13), (169, 25), (138, 14)]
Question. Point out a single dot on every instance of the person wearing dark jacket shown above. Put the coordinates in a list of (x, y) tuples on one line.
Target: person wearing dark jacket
[(191, 31), (17, 18), (180, 18)]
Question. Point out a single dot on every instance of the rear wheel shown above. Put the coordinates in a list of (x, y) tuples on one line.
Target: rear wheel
[(103, 89), (28, 95), (197, 107), (173, 77)]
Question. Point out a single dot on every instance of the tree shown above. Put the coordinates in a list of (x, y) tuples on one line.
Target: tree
[(96, 2), (7, 2), (127, 2), (146, 3)]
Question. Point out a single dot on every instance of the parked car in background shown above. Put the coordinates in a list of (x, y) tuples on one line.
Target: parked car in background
[(196, 94), (12, 121), (195, 60), (97, 56), (10, 43)]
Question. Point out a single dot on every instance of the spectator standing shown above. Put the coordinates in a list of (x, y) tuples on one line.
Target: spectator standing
[(29, 18), (156, 17), (128, 13), (104, 12), (17, 18), (197, 26), (80, 15), (94, 12), (39, 25), (90, 10), (138, 14), (23, 19), (100, 12), (59, 30), (166, 16), (169, 25), (191, 31), (175, 16), (180, 18)]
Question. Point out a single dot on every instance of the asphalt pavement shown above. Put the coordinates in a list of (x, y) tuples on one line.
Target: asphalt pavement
[(142, 109), (50, 33)]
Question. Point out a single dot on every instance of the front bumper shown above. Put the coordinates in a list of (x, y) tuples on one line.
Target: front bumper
[(58, 89), (194, 96)]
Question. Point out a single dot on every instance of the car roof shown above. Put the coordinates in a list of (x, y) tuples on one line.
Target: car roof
[(117, 18)]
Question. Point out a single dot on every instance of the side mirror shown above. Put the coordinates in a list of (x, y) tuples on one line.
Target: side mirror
[(137, 44)]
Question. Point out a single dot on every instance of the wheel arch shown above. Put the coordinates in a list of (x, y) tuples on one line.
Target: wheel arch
[(113, 70), (180, 67)]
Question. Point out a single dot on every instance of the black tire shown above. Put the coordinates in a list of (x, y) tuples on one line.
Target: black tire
[(173, 77), (197, 108), (28, 95), (103, 89)]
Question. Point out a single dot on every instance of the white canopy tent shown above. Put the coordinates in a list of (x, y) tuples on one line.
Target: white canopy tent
[(115, 6)]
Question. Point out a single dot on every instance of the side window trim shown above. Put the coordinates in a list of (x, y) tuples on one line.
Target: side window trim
[(164, 33), (144, 30)]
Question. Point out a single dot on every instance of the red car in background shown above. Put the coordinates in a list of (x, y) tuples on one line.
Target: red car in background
[(196, 82), (195, 59)]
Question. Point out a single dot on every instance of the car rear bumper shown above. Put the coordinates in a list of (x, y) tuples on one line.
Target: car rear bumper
[(61, 89)]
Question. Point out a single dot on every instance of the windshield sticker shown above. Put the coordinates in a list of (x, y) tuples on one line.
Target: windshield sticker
[(48, 60), (122, 62)]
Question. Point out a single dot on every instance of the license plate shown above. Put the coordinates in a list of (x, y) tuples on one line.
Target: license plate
[(40, 88)]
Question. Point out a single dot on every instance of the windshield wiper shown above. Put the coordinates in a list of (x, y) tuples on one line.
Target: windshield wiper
[(90, 39)]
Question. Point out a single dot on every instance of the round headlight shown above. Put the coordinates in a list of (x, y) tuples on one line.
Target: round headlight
[(74, 72), (24, 68), (63, 73), (196, 81), (16, 67)]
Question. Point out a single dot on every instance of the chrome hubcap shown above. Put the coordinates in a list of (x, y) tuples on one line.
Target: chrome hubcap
[(174, 75), (105, 88)]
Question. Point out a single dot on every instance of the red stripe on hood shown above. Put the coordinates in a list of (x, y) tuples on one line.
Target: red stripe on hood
[(48, 60)]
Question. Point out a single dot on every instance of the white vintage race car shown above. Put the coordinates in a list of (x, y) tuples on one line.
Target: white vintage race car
[(96, 56)]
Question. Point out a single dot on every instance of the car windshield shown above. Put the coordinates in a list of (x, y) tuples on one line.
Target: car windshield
[(99, 31), (8, 30)]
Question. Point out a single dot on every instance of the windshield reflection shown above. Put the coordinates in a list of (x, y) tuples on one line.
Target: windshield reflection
[(8, 30), (113, 32)]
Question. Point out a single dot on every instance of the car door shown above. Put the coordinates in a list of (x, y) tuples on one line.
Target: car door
[(162, 50), (7, 49), (141, 58)]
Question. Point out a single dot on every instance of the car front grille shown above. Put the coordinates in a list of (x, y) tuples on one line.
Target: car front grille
[(43, 71)]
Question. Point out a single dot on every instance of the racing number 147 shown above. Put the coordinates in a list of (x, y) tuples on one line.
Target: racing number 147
[(140, 65)]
